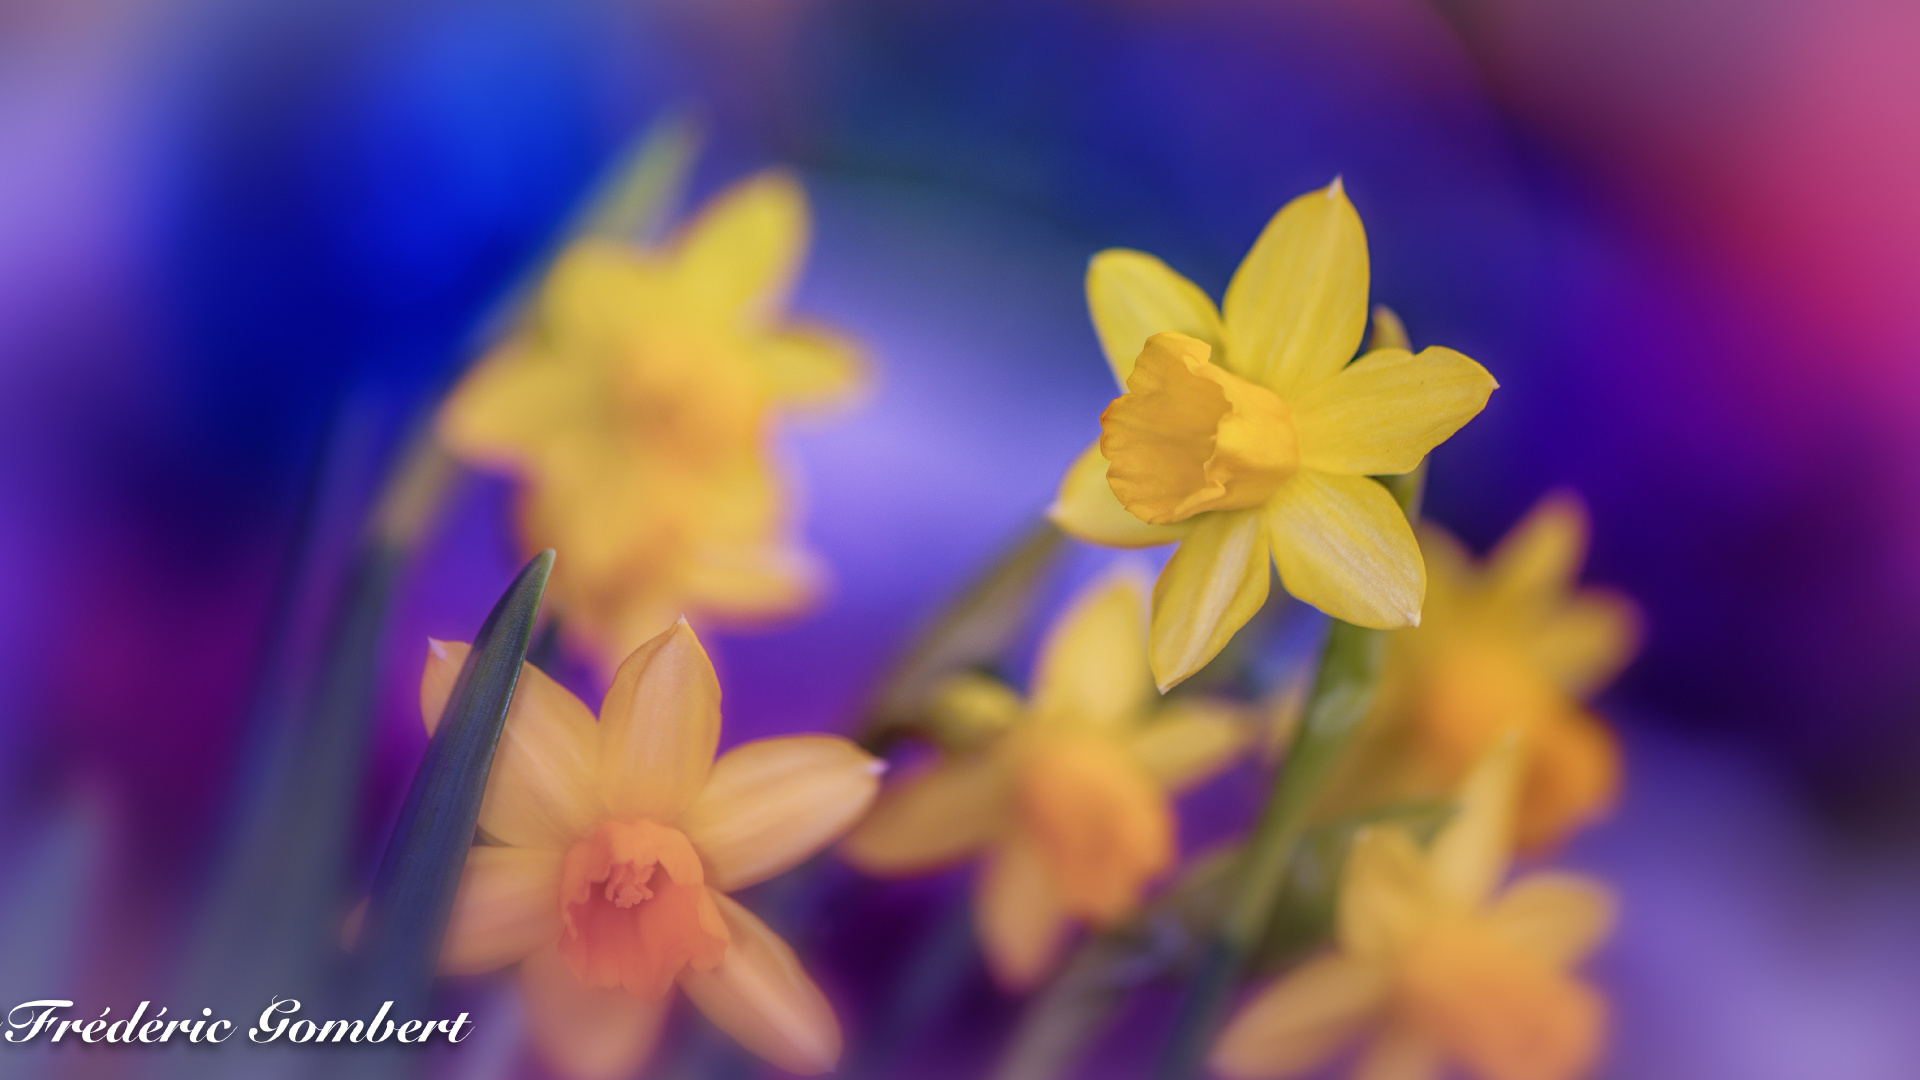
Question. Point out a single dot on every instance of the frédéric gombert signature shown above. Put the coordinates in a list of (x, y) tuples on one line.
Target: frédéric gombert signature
[(32, 1020)]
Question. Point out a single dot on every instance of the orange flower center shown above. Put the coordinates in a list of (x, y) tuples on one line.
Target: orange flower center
[(1188, 436), (1502, 1014), (635, 910), (1100, 821)]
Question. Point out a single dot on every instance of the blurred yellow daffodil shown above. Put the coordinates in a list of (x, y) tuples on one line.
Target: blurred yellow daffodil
[(1433, 967), (614, 846), (1513, 645), (1069, 798), (1246, 436), (634, 406)]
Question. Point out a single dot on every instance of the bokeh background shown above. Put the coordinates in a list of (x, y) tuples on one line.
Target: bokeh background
[(1682, 233)]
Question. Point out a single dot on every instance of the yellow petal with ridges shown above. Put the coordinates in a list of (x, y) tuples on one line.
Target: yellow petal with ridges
[(1133, 296), (506, 908), (1018, 915), (1087, 509), (1190, 741), (1214, 583), (659, 726), (933, 819), (740, 257), (1343, 545), (541, 791), (1300, 1022), (1471, 854), (585, 1033), (772, 803), (1386, 893), (1298, 303), (1092, 669), (762, 997), (1384, 412), (1557, 918)]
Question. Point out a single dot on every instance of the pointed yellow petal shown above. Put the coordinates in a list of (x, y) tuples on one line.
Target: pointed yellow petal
[(1470, 855), (762, 997), (1557, 918), (970, 708), (1092, 669), (1385, 411), (541, 792), (510, 403), (1539, 559), (583, 1033), (1343, 545), (1386, 893), (1583, 644), (932, 820), (1294, 1026), (1087, 509), (1018, 915), (1214, 583), (1298, 303), (507, 907), (659, 726), (1190, 741), (1399, 1053), (740, 257), (1133, 296), (1388, 331), (809, 366), (771, 804)]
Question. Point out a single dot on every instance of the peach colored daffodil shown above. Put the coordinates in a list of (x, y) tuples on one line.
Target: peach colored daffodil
[(1244, 434), (613, 846), (1435, 964), (635, 407), (1068, 800)]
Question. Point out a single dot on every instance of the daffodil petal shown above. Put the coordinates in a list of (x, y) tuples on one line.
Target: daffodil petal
[(1214, 583), (1386, 893), (1190, 742), (1018, 915), (741, 255), (1385, 411), (1399, 1053), (1297, 1024), (1471, 854), (1343, 545), (1388, 332), (1571, 778), (581, 1032), (512, 400), (1555, 917), (1133, 296), (506, 908), (1298, 303), (541, 791), (809, 366), (1092, 669), (1451, 575), (932, 820), (760, 995), (770, 804), (659, 727), (1539, 559), (1087, 509), (1585, 642)]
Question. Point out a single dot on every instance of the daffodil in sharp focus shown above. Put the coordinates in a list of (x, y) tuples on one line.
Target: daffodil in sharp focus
[(1068, 802), (1246, 436), (613, 846), (635, 406), (1436, 966)]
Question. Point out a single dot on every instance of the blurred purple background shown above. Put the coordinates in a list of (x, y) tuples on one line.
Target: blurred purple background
[(1681, 233)]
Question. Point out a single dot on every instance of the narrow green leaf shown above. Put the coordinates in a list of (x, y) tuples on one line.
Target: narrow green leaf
[(414, 889)]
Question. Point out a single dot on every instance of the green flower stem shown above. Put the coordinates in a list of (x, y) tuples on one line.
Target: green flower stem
[(1342, 694)]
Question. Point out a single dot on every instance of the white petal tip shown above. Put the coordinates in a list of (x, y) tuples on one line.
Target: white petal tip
[(1336, 189), (438, 648), (1413, 619), (878, 767)]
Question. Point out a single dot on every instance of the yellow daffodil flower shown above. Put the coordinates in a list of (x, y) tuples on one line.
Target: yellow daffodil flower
[(614, 846), (1433, 967), (1512, 645), (1069, 797), (1245, 436), (634, 406)]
